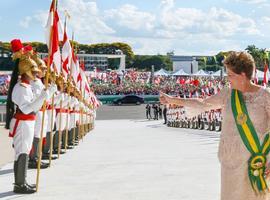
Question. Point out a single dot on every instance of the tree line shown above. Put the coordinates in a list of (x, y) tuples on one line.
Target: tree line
[(140, 62)]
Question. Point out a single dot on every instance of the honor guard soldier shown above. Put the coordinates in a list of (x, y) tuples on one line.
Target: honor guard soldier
[(51, 120), (73, 110), (37, 87), (61, 115), (21, 113)]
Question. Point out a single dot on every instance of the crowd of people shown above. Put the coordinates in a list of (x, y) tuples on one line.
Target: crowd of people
[(4, 83), (143, 83)]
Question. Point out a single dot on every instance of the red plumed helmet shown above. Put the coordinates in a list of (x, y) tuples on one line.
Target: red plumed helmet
[(16, 45), (28, 48)]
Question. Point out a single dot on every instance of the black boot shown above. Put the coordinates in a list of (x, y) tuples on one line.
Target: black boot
[(70, 137), (15, 166), (20, 172), (55, 151), (46, 148), (46, 156), (33, 164), (35, 149)]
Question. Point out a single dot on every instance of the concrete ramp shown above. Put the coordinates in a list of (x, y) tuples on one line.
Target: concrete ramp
[(130, 160)]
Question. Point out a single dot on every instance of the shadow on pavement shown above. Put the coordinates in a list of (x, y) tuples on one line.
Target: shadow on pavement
[(7, 194), (155, 125), (6, 171), (142, 120)]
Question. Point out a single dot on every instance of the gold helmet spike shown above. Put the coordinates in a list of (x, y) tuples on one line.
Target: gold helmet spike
[(27, 66), (41, 64)]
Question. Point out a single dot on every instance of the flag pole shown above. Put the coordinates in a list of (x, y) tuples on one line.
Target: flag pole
[(60, 127), (68, 90), (44, 106), (71, 68), (51, 132)]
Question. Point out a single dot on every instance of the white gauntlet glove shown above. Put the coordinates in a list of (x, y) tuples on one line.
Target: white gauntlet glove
[(51, 90), (38, 102)]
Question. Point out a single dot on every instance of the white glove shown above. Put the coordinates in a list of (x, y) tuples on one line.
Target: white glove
[(57, 98), (38, 102), (51, 90)]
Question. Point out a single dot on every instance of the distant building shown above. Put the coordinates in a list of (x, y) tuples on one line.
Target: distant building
[(188, 63), (98, 61)]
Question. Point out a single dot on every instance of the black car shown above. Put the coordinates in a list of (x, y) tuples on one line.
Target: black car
[(129, 99)]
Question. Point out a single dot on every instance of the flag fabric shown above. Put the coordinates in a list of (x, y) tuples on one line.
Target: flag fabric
[(255, 78), (265, 76), (52, 38), (95, 102), (75, 68), (85, 84), (66, 55), (49, 24)]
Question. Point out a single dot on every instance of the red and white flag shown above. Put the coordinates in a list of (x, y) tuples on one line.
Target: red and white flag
[(95, 102), (53, 28), (265, 76), (66, 54), (75, 68), (85, 84), (255, 76)]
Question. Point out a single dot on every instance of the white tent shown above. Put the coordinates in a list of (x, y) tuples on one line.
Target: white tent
[(161, 72), (217, 73), (200, 73), (180, 72)]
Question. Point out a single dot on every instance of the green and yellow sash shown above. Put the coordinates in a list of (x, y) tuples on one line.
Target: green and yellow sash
[(257, 161)]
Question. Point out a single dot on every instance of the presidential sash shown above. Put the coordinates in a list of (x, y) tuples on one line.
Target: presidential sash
[(257, 161)]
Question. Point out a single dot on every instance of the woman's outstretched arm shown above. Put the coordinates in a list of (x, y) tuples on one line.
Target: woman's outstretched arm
[(195, 106)]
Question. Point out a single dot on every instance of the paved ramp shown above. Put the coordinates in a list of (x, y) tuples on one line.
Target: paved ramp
[(130, 160)]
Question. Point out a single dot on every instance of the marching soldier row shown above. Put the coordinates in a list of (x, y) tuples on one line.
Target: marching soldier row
[(65, 118), (176, 117)]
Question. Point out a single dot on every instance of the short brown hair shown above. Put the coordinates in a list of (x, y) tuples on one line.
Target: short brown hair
[(240, 62)]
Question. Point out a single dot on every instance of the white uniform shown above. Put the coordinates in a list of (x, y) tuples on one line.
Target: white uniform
[(23, 123), (37, 87), (73, 113), (51, 113), (63, 113)]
